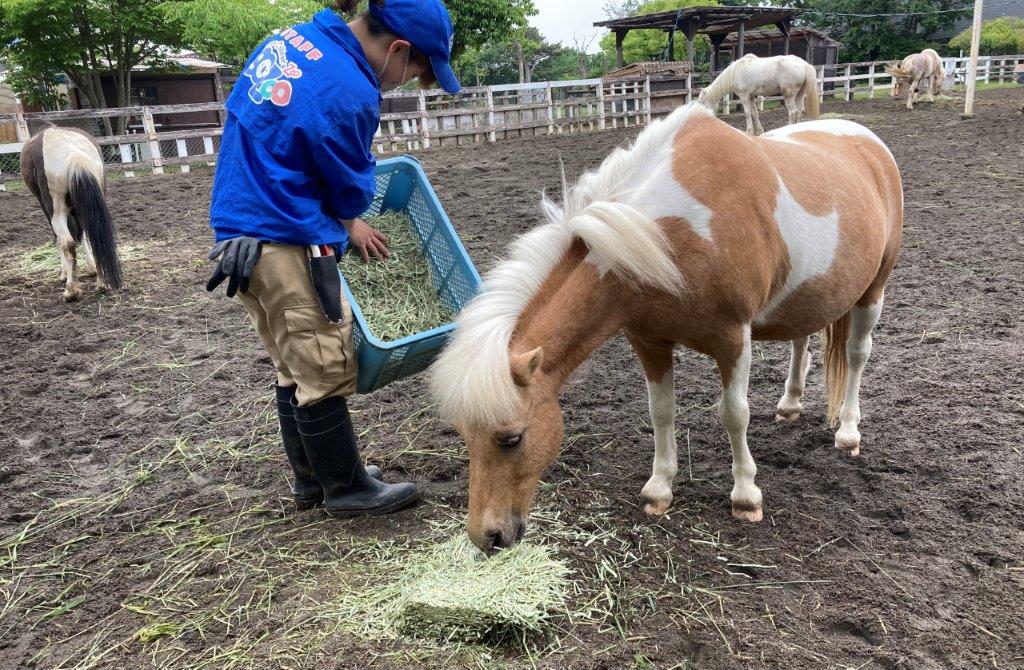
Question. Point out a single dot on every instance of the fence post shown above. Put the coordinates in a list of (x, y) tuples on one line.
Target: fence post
[(126, 157), (871, 80), (848, 92), (208, 150), (600, 105), (421, 107), (647, 97), (21, 127), (551, 109), (988, 68), (154, 144), (689, 87), (183, 153), (492, 135), (820, 79)]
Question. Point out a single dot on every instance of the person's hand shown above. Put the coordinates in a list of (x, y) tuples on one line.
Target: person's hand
[(368, 241), (238, 258)]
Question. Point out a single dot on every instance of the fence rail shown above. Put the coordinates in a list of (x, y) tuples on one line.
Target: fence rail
[(158, 136)]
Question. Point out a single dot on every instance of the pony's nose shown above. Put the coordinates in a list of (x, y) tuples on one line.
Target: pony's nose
[(503, 538)]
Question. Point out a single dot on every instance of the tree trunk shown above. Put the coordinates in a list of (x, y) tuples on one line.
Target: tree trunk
[(522, 63)]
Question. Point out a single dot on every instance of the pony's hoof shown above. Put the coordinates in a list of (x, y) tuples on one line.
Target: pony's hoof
[(848, 443), (789, 415), (752, 513), (72, 295), (655, 507), (102, 288)]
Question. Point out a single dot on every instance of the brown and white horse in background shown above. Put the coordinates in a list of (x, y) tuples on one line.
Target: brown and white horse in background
[(63, 168), (923, 69), (789, 76), (697, 235)]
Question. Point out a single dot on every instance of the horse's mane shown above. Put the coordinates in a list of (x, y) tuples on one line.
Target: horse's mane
[(722, 84), (472, 379)]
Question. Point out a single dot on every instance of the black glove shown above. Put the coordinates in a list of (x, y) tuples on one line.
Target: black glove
[(239, 258)]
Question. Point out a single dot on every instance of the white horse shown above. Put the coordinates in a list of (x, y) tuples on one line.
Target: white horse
[(62, 167), (789, 76), (915, 69)]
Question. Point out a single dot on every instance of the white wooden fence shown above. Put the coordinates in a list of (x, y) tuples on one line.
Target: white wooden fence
[(477, 114)]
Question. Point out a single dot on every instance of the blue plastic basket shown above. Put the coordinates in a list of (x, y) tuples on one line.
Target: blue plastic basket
[(402, 186)]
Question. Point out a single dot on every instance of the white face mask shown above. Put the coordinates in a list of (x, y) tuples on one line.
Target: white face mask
[(389, 85)]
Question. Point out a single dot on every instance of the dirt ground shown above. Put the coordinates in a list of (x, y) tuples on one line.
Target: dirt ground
[(145, 519)]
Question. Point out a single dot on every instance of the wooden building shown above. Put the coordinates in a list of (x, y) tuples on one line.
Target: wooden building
[(812, 45), (717, 23), (185, 78)]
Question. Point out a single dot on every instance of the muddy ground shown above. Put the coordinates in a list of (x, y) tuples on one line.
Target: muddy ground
[(145, 514)]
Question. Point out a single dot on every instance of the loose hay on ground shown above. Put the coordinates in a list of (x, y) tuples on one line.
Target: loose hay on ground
[(397, 297)]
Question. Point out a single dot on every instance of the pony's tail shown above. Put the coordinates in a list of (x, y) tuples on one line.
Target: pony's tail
[(810, 91), (93, 217), (833, 345)]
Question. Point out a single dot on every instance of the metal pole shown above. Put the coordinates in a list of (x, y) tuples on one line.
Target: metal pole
[(972, 66)]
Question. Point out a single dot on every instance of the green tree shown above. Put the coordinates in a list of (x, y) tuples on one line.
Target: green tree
[(86, 39), (229, 30), (481, 22), (906, 26), (648, 45), (1004, 35)]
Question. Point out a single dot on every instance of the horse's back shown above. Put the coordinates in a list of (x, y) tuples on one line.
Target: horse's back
[(63, 148), (793, 226)]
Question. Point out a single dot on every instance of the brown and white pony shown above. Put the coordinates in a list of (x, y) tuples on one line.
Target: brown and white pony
[(62, 167), (789, 76), (697, 235), (923, 68)]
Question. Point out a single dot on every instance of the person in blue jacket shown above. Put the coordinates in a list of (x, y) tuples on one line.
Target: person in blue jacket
[(295, 170)]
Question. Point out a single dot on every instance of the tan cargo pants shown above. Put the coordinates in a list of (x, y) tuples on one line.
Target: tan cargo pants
[(306, 348)]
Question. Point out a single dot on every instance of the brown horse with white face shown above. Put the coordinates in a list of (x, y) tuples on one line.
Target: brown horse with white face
[(696, 235)]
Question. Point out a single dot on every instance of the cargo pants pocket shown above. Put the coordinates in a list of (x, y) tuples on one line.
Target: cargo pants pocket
[(316, 349)]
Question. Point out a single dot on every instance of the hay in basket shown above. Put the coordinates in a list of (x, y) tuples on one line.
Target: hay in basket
[(396, 296)]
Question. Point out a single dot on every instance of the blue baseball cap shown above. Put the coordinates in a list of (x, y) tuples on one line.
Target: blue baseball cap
[(427, 26)]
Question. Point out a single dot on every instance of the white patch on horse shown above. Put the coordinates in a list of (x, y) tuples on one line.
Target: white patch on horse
[(663, 196), (837, 127), (811, 242)]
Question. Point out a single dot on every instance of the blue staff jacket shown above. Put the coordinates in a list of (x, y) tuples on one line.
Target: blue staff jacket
[(296, 152)]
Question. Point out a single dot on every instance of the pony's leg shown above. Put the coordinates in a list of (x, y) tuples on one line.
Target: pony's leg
[(911, 93), (734, 365), (757, 115), (790, 406), (656, 495), (747, 111), (858, 349), (90, 262), (66, 245), (791, 107)]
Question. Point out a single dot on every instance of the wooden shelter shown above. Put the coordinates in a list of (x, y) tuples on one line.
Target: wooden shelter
[(812, 45), (715, 22)]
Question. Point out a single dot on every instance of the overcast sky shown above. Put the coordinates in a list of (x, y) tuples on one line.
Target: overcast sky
[(557, 20)]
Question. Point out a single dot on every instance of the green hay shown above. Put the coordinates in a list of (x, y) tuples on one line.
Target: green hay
[(43, 262), (397, 297), (451, 592), (154, 632)]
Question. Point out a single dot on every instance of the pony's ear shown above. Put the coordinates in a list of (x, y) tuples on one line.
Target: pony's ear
[(525, 366)]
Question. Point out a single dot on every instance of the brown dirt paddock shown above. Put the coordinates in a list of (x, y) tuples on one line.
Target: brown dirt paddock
[(145, 518)]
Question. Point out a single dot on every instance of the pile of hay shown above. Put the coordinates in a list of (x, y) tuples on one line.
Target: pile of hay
[(455, 593), (397, 297), (452, 593)]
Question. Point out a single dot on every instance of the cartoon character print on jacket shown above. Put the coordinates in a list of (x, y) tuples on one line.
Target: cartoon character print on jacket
[(270, 72)]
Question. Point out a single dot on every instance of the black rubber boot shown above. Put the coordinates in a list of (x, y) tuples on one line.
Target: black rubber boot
[(306, 489), (330, 444)]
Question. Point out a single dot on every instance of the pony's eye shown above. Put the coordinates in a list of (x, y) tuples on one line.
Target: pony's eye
[(509, 440)]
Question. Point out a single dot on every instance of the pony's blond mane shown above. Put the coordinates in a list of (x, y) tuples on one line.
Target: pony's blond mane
[(472, 379)]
